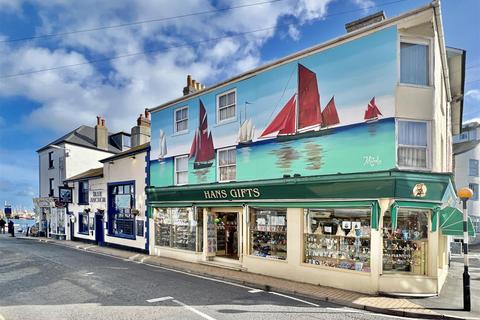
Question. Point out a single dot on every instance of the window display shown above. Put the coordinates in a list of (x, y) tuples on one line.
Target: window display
[(268, 229), (178, 228), (338, 238), (405, 247)]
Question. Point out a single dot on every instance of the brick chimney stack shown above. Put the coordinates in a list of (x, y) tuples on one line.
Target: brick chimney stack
[(101, 134), (192, 86), (140, 134)]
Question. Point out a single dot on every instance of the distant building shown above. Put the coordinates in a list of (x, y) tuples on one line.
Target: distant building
[(67, 156), (466, 150)]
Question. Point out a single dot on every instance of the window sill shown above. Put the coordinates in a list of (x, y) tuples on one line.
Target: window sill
[(221, 123), (226, 181), (83, 203), (51, 168), (180, 133), (84, 233), (414, 169), (418, 86), (122, 236)]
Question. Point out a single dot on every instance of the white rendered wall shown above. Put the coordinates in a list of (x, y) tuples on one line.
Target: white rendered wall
[(463, 179)]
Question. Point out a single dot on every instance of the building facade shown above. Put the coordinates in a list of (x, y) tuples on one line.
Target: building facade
[(70, 155), (331, 166), (466, 150)]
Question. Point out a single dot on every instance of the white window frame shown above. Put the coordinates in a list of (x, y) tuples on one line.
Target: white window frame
[(217, 107), (416, 40), (175, 120), (429, 146), (175, 170), (230, 165)]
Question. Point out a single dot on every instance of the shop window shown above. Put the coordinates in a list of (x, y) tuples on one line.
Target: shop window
[(179, 228), (414, 63), (338, 238), (474, 187), (83, 223), (268, 233), (181, 120), (405, 247), (473, 167), (227, 164), (226, 106), (181, 170), (412, 144), (120, 216), (83, 192)]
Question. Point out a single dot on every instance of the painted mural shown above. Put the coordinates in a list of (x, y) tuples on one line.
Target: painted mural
[(331, 112)]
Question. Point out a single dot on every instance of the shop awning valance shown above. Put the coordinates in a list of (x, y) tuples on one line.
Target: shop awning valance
[(414, 205), (451, 222)]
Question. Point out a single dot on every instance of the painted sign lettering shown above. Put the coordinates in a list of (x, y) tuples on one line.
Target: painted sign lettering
[(240, 193)]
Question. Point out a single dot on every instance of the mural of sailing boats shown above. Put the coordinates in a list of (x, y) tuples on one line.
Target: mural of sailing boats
[(247, 129), (202, 146), (303, 118), (372, 113), (162, 146)]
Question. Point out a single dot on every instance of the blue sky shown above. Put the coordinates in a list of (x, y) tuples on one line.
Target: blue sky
[(37, 108)]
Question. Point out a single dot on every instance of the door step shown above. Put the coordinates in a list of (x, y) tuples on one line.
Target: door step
[(230, 266)]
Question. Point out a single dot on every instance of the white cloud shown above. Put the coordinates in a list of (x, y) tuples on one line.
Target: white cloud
[(473, 94), (293, 32), (364, 4)]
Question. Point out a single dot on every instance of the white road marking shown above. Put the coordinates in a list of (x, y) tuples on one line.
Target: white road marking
[(296, 299), (88, 273), (201, 314), (160, 299), (255, 291)]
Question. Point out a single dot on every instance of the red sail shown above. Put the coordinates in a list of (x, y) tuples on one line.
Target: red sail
[(372, 111), (206, 151), (284, 122), (193, 148), (329, 114), (308, 99)]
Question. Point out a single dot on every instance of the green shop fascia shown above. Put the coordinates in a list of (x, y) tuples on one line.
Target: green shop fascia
[(434, 191)]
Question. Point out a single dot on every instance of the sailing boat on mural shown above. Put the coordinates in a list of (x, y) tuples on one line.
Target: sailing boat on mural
[(202, 146), (247, 129), (372, 113), (303, 117), (162, 146)]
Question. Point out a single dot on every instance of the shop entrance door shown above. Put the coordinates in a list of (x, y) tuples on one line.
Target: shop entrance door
[(227, 234)]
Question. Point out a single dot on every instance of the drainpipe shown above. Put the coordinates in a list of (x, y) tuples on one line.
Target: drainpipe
[(441, 43)]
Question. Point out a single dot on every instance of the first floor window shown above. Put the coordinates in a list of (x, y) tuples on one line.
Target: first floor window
[(268, 233), (50, 160), (50, 186), (181, 170), (405, 246), (181, 119), (474, 187), (83, 192), (227, 164), (179, 228), (83, 223), (226, 106), (412, 144), (337, 238), (121, 218), (473, 167), (414, 63)]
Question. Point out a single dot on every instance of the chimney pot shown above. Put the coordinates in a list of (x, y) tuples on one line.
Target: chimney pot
[(98, 120), (147, 114), (103, 122), (189, 80)]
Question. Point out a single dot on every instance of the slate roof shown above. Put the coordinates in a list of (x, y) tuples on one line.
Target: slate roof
[(83, 136), (130, 152), (91, 173)]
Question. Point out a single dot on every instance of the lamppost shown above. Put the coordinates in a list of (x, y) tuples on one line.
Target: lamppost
[(464, 194)]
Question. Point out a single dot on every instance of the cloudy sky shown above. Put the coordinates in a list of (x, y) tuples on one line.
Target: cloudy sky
[(49, 84)]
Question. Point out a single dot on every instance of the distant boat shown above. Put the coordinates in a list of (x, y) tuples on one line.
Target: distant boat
[(372, 113), (304, 115), (202, 146), (246, 132), (163, 145)]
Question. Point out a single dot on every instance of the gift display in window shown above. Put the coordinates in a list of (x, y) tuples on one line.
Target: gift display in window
[(405, 246), (176, 228), (268, 229), (338, 238)]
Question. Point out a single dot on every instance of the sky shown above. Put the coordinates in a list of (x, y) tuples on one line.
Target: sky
[(155, 44)]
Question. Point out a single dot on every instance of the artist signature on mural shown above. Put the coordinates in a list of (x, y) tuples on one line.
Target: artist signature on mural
[(371, 161)]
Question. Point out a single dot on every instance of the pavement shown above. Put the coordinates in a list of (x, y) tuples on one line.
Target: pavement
[(318, 297)]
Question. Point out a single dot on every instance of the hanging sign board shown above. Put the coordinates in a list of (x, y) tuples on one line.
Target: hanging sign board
[(65, 194)]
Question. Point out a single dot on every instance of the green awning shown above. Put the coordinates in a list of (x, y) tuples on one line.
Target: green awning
[(414, 205), (159, 204), (451, 222)]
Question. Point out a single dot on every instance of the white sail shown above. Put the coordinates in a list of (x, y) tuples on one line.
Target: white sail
[(162, 145), (246, 132)]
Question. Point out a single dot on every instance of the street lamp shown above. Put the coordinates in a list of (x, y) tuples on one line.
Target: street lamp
[(464, 194)]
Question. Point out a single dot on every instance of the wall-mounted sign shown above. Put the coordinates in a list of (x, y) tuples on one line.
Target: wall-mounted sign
[(238, 193), (97, 196), (65, 194), (420, 190)]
